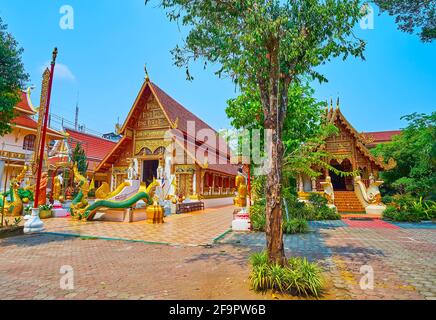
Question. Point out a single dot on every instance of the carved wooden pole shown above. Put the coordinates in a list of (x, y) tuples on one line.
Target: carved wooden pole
[(44, 131)]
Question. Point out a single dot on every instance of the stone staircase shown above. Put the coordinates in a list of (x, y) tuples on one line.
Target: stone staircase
[(347, 201)]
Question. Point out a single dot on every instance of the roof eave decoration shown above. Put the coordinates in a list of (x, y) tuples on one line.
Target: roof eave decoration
[(29, 100), (361, 140), (378, 161)]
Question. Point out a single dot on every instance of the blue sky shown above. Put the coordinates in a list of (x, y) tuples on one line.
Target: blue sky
[(101, 65)]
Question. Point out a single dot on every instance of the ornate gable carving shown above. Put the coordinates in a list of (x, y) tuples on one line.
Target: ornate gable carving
[(152, 116)]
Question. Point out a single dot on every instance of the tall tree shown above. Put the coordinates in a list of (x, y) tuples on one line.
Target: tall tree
[(12, 77), (412, 15), (414, 152), (267, 43), (79, 157)]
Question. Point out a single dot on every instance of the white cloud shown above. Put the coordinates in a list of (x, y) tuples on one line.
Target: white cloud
[(62, 71)]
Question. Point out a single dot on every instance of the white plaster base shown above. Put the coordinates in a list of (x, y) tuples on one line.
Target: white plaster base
[(34, 224), (375, 209), (242, 221), (241, 225), (60, 213)]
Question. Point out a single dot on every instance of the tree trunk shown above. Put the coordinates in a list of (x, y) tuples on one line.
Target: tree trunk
[(274, 231), (274, 119)]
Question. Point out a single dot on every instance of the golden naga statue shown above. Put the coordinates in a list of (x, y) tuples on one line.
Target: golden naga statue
[(241, 199), (81, 200), (15, 206), (104, 191)]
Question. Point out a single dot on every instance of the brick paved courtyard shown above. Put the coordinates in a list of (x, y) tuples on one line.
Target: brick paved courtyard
[(198, 228), (402, 256)]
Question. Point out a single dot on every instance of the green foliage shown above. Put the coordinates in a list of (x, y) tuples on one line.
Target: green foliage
[(79, 157), (12, 77), (298, 277), (412, 15), (293, 226), (408, 208), (258, 187), (242, 36), (45, 207), (267, 46), (414, 152), (257, 215), (317, 200), (314, 210)]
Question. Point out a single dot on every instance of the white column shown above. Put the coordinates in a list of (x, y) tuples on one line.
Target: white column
[(194, 183)]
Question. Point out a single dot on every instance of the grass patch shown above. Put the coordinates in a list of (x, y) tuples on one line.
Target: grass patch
[(300, 277), (294, 226), (89, 238)]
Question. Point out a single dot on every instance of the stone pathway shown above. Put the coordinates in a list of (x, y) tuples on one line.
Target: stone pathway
[(198, 228), (194, 266), (403, 260)]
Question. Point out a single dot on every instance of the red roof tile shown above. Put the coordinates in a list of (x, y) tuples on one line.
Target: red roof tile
[(382, 136), (95, 147), (27, 122), (175, 110)]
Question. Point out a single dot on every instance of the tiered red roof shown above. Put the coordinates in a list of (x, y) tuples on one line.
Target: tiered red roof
[(175, 111), (96, 148), (26, 122)]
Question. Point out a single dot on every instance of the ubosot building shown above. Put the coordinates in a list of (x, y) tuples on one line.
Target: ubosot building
[(153, 114), (349, 152), (17, 147)]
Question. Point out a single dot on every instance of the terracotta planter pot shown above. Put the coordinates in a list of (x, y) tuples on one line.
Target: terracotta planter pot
[(45, 214)]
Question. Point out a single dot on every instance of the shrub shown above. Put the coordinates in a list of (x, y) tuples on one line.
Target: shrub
[(257, 216), (293, 226), (320, 210), (299, 276), (407, 208), (317, 200), (391, 213)]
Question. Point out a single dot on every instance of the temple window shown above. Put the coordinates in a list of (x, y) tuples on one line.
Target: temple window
[(29, 142)]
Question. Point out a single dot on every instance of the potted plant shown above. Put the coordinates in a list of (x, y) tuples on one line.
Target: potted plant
[(27, 210), (45, 211)]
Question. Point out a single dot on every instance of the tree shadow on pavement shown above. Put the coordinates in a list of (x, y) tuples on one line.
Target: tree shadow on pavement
[(32, 240)]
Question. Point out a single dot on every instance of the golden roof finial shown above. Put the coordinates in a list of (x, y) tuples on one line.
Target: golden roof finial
[(337, 103), (331, 103), (147, 78)]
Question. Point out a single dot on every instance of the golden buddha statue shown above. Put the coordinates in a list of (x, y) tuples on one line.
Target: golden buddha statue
[(57, 186), (241, 199)]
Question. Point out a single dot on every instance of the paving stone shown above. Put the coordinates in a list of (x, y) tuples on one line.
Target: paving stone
[(403, 261)]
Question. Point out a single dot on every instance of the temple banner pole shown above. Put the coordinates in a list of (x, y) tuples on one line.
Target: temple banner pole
[(34, 224)]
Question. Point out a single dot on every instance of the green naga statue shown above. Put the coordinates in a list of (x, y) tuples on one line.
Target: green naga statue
[(80, 209)]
